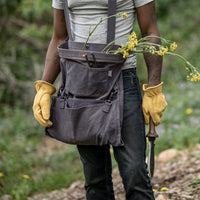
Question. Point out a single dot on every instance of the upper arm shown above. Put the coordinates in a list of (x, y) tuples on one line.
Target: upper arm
[(59, 28), (146, 16)]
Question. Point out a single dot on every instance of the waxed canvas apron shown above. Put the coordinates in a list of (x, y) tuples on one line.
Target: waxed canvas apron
[(88, 108)]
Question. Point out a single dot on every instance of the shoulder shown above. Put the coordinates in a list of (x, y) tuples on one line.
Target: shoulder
[(58, 4), (139, 3)]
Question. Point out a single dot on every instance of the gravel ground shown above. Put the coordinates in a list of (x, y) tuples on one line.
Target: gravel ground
[(181, 177)]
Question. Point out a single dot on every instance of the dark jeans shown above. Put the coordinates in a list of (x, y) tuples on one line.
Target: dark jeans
[(130, 158)]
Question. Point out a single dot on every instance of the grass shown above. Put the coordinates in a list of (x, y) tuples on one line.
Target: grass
[(21, 144)]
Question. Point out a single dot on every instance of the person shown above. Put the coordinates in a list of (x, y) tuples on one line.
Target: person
[(96, 160)]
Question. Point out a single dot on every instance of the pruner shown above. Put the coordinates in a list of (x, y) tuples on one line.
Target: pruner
[(152, 135)]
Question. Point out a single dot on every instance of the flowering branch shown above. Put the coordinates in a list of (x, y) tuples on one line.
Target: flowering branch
[(166, 48), (143, 46), (194, 74), (124, 15)]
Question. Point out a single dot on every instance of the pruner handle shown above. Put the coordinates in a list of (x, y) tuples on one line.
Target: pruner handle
[(152, 130)]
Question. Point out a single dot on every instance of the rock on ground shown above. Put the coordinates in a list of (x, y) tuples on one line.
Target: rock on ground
[(180, 175)]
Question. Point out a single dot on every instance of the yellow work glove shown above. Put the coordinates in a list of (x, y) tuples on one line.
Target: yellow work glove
[(41, 105), (154, 103)]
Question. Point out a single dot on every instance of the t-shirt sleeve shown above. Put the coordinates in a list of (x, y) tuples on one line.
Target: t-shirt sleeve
[(58, 4), (139, 3)]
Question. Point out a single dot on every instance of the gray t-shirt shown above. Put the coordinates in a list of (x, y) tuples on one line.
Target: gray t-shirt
[(85, 14)]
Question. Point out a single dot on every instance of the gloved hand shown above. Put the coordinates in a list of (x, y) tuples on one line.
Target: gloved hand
[(41, 105), (154, 103)]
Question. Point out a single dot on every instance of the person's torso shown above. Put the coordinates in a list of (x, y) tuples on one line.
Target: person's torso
[(84, 15)]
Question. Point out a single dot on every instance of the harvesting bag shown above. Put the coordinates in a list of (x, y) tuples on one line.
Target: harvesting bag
[(88, 108)]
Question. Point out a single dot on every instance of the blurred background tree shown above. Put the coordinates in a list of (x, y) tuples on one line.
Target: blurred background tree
[(25, 30)]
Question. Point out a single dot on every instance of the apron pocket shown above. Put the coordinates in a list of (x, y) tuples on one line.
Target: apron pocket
[(85, 122), (83, 81)]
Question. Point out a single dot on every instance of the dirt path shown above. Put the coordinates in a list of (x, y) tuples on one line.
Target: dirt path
[(181, 176)]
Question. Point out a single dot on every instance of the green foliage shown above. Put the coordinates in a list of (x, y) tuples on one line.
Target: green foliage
[(22, 190), (180, 129), (163, 7), (35, 10), (196, 181), (26, 26), (22, 152), (33, 31)]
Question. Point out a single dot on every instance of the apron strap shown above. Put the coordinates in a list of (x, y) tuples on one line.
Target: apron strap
[(67, 21), (111, 21), (110, 25)]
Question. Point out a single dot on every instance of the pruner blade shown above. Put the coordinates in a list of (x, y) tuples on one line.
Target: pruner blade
[(152, 135)]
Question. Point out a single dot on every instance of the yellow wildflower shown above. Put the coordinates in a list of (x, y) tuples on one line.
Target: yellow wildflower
[(136, 42), (124, 15), (188, 111), (133, 38), (125, 54), (187, 69), (131, 46), (75, 170), (4, 152), (154, 190), (195, 78), (173, 46), (162, 51), (165, 50), (134, 35), (164, 189), (25, 176), (1, 174), (122, 45), (130, 38)]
